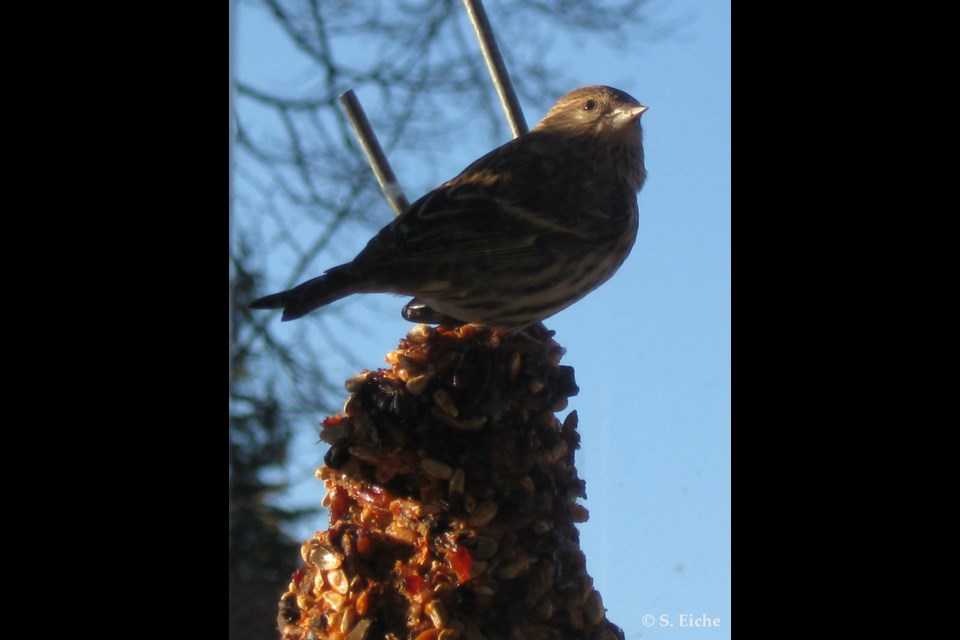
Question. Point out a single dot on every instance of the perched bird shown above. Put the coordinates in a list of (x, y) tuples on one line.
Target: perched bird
[(520, 234)]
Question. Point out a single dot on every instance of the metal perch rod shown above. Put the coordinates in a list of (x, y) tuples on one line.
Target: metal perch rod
[(391, 188), (496, 66), (377, 159)]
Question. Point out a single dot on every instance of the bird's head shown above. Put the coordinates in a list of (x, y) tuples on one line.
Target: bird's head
[(604, 124), (595, 109)]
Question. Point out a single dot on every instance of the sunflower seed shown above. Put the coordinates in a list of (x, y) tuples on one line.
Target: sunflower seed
[(436, 469), (485, 512)]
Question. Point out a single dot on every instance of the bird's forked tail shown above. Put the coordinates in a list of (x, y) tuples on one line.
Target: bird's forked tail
[(310, 295)]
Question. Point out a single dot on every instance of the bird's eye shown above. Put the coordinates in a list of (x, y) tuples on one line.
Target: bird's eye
[(589, 105)]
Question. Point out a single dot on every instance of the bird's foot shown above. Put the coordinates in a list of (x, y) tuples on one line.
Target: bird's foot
[(417, 311)]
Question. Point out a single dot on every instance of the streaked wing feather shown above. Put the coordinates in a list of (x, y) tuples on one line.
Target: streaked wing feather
[(458, 223)]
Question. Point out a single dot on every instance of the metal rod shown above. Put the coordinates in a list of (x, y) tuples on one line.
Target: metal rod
[(496, 67), (392, 190)]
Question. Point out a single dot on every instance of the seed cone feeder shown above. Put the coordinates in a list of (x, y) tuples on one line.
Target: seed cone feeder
[(453, 500)]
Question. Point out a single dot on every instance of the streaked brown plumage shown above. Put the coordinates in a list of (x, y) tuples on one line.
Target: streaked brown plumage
[(520, 234)]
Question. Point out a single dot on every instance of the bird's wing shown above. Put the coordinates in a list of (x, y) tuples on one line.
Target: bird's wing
[(463, 222)]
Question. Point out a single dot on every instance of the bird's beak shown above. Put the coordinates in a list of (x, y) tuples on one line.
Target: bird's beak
[(628, 113)]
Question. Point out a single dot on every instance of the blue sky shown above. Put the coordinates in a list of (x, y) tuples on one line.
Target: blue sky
[(651, 348)]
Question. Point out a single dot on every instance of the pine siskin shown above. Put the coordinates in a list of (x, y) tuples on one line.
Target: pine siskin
[(520, 234)]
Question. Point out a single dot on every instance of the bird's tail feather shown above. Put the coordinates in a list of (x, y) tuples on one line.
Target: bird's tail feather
[(310, 295)]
